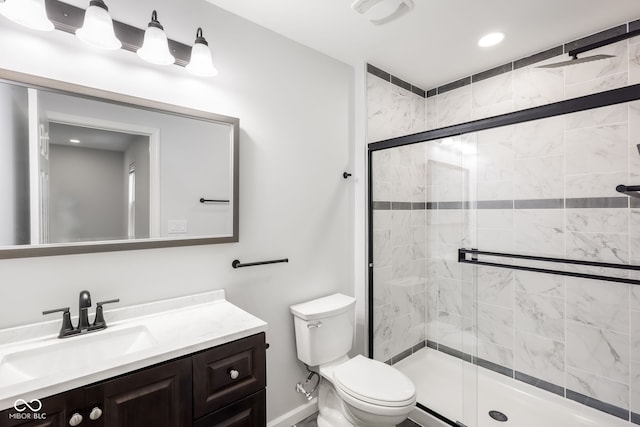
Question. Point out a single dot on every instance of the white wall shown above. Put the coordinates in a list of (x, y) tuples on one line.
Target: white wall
[(7, 160), (88, 194), (294, 109), (14, 156), (138, 153)]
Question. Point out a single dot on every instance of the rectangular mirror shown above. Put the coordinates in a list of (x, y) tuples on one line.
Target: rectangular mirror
[(84, 170)]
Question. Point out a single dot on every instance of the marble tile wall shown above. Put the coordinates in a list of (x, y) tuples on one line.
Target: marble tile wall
[(395, 111), (392, 110), (544, 188)]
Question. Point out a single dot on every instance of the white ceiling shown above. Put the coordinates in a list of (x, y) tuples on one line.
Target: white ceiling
[(436, 42), (99, 139)]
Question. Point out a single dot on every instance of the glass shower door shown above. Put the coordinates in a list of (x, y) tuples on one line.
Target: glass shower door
[(422, 298)]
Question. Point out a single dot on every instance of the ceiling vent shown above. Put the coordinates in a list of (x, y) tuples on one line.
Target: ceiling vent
[(382, 11)]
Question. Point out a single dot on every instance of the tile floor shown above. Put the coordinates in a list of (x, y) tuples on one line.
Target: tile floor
[(311, 422)]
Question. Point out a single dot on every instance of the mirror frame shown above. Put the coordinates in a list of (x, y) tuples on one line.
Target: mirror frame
[(51, 85)]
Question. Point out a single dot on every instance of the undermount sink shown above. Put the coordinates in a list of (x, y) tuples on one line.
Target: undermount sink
[(73, 353)]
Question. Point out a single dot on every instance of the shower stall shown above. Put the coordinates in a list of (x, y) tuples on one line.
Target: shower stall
[(503, 274)]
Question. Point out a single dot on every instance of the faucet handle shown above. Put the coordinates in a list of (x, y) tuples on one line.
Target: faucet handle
[(99, 320), (56, 310), (67, 326), (111, 301)]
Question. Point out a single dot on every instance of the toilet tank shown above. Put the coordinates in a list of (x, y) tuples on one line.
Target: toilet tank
[(324, 328)]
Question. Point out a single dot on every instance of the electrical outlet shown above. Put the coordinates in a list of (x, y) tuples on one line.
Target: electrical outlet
[(177, 227)]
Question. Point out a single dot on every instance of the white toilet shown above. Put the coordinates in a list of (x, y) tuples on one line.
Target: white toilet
[(353, 392)]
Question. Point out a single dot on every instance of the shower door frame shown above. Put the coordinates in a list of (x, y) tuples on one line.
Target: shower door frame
[(588, 102)]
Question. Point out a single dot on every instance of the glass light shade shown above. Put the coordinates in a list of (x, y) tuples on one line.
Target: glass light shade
[(155, 47), (97, 29), (29, 13), (201, 63)]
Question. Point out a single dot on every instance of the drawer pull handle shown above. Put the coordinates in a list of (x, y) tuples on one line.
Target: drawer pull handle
[(314, 325), (75, 420), (234, 374), (95, 413)]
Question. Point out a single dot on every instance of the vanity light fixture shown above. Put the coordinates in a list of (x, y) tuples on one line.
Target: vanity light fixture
[(74, 141), (201, 63), (29, 13), (155, 47), (97, 29), (491, 39)]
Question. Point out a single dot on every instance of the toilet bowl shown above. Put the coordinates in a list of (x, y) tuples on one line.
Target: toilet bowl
[(353, 392)]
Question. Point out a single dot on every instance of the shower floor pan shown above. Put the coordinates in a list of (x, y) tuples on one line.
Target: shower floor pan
[(464, 392)]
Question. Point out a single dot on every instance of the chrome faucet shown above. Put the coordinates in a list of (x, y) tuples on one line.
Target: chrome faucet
[(84, 302)]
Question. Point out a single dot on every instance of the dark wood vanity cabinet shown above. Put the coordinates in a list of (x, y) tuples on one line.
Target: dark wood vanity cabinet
[(56, 411), (220, 387), (158, 396), (228, 384)]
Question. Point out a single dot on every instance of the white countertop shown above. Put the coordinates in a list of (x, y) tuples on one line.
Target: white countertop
[(172, 328)]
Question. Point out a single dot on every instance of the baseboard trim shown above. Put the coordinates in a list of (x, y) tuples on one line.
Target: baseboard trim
[(296, 414)]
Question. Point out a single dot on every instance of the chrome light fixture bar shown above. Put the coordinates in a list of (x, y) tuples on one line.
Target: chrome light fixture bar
[(68, 18)]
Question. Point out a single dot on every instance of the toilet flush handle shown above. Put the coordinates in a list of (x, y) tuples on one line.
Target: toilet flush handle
[(317, 324)]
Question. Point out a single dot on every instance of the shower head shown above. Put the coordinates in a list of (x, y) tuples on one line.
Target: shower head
[(575, 60), (573, 54)]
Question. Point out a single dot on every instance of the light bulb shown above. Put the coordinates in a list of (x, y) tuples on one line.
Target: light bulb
[(97, 29), (201, 63), (155, 47), (29, 13)]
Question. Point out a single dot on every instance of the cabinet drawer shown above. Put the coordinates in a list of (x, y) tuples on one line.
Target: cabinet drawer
[(228, 373), (248, 412)]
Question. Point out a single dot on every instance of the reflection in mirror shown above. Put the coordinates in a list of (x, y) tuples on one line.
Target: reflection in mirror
[(99, 184), (82, 174)]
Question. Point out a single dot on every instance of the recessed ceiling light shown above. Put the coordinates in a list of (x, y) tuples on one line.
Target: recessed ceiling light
[(75, 141), (491, 39)]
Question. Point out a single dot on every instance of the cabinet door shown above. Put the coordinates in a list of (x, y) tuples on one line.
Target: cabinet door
[(228, 373), (159, 396), (248, 412), (56, 411)]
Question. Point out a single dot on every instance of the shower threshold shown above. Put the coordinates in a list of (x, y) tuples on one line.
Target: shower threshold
[(467, 393)]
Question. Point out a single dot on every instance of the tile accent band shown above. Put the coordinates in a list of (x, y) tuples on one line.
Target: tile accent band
[(519, 63), (602, 35), (538, 57), (505, 68), (372, 69), (492, 72), (570, 203), (599, 405)]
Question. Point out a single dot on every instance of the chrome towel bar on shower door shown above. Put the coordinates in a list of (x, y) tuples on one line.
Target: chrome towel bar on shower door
[(462, 257), (629, 190)]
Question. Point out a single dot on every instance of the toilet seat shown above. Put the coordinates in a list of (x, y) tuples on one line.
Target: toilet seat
[(373, 382)]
